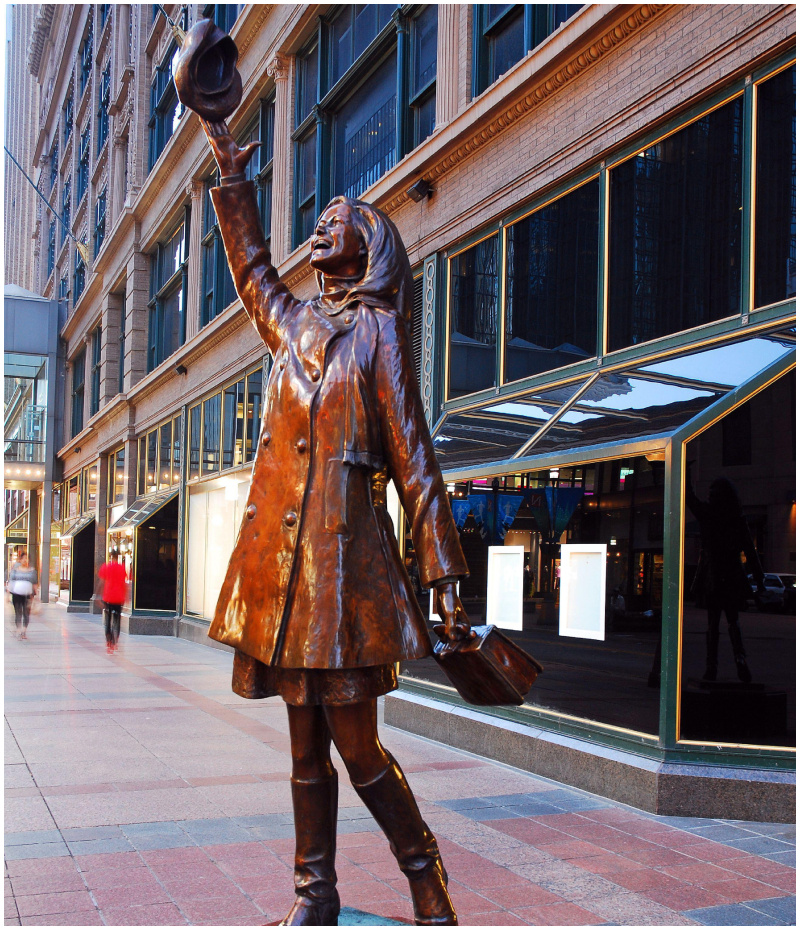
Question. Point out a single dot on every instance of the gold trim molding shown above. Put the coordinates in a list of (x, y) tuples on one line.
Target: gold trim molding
[(632, 23)]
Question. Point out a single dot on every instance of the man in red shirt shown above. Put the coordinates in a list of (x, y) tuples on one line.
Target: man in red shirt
[(112, 574)]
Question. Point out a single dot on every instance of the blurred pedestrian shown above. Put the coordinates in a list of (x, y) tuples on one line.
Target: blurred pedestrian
[(114, 593), (22, 586)]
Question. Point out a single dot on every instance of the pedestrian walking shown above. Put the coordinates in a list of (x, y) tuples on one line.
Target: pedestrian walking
[(115, 589), (22, 582)]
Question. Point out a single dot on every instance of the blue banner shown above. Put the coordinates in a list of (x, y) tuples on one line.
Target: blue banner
[(537, 501), (460, 508), (507, 507), (561, 504), (481, 507)]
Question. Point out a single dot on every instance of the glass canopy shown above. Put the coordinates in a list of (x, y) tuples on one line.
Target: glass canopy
[(72, 529), (642, 402), (141, 509)]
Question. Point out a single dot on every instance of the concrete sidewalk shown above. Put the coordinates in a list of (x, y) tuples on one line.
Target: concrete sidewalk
[(139, 790)]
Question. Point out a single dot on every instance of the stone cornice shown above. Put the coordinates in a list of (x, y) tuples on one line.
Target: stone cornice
[(41, 30), (637, 18)]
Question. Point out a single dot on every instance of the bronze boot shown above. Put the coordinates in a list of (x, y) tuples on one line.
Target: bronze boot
[(392, 804), (315, 808)]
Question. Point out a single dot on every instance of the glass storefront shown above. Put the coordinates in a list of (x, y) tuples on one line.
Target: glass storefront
[(738, 637)]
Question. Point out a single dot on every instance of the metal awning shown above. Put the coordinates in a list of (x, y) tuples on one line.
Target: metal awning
[(72, 529), (634, 405), (141, 509), (17, 529)]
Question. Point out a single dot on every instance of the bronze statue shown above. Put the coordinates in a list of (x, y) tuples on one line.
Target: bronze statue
[(317, 602)]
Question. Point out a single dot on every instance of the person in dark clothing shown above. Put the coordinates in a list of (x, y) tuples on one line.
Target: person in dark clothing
[(22, 585), (721, 583)]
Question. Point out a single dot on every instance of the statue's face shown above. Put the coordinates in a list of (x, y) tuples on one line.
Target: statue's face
[(337, 248)]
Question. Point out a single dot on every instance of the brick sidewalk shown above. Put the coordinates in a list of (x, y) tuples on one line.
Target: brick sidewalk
[(139, 790)]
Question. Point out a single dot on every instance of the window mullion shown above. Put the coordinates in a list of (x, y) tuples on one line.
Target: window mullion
[(403, 143)]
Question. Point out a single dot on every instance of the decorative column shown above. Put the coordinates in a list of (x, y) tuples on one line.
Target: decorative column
[(279, 69), (194, 270), (137, 295), (448, 65), (109, 347)]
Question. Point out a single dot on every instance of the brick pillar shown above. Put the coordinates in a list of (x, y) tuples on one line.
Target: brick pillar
[(109, 347), (101, 525), (137, 294), (279, 70), (448, 65), (195, 190)]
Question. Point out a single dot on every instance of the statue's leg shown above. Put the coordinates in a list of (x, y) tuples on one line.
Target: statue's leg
[(381, 785), (315, 795)]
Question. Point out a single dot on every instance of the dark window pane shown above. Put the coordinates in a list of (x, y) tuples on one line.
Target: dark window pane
[(740, 524), (165, 456), (254, 403), (365, 132), (424, 48), (737, 437), (506, 45), (173, 310), (424, 117), (366, 27), (233, 425), (307, 71), (341, 44), (194, 442), (307, 168), (212, 409), (141, 483), (562, 12), (675, 231), (776, 191), (551, 285), (152, 450), (473, 319)]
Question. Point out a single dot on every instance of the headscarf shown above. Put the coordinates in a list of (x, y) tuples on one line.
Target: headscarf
[(387, 281)]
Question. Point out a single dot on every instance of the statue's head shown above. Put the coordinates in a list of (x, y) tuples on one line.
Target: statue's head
[(359, 247)]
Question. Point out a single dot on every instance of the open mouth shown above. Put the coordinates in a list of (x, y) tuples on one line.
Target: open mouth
[(319, 243)]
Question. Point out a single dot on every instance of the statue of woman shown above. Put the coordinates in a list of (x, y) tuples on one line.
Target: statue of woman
[(317, 602)]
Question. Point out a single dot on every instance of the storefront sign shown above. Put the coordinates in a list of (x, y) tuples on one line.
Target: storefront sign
[(583, 591), (504, 588)]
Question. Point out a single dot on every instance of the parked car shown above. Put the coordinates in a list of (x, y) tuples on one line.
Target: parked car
[(789, 592), (778, 593)]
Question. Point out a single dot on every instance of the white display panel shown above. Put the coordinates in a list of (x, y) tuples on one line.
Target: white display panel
[(504, 587), (433, 615), (582, 610)]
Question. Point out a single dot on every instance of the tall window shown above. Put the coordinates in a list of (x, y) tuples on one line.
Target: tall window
[(363, 100), (167, 329), (776, 190), (86, 54), (65, 209), (253, 415), (69, 117), (212, 415), (506, 32), (94, 396), (474, 288), (78, 376), (54, 164), (551, 284), (116, 478), (165, 108), (223, 14), (100, 220), (51, 248), (424, 30), (103, 9), (218, 290), (79, 276), (103, 103), (160, 457), (63, 289), (675, 231), (83, 165)]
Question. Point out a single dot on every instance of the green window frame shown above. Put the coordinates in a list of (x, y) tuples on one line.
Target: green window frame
[(504, 33), (78, 384), (103, 104), (166, 110), (82, 179), (365, 96), (94, 397), (168, 284)]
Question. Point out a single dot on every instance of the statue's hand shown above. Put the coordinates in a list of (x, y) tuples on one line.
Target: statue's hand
[(449, 607), (231, 159)]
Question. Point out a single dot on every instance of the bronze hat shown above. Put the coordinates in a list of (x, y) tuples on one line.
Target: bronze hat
[(206, 77)]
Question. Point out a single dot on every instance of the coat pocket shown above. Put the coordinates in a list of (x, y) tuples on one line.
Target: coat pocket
[(337, 474)]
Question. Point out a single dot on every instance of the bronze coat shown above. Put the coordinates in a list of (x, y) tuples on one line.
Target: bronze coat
[(316, 579)]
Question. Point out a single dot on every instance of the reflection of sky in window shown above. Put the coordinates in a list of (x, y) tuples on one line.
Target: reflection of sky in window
[(731, 364), (575, 416), (644, 394), (524, 411)]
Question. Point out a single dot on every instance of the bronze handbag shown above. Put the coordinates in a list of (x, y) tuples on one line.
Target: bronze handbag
[(488, 668)]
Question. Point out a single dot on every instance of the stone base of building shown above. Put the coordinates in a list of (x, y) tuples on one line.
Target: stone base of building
[(197, 632), (666, 788), (144, 625)]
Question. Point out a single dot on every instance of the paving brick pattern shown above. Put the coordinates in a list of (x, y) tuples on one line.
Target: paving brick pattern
[(139, 791)]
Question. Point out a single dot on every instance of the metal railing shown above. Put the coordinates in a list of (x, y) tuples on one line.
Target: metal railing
[(24, 450)]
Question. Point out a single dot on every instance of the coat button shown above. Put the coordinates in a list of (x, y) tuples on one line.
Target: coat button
[(251, 511), (290, 519), (349, 318), (265, 439), (316, 374), (302, 445)]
